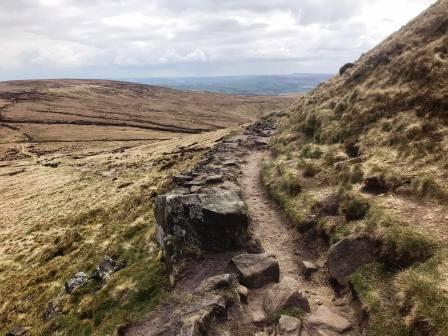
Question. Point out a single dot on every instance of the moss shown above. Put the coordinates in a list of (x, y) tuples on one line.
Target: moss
[(290, 311)]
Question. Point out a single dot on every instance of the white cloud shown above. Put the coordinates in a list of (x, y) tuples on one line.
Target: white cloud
[(191, 37)]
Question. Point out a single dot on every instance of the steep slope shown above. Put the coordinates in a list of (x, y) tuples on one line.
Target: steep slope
[(366, 153)]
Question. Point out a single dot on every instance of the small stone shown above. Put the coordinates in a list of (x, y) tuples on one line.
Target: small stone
[(195, 189), (308, 268), (182, 178), (288, 326), (243, 292), (230, 163), (326, 319), (106, 268), (258, 316), (215, 282), (214, 179), (17, 331), (80, 279)]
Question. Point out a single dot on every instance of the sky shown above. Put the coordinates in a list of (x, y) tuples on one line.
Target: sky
[(175, 38)]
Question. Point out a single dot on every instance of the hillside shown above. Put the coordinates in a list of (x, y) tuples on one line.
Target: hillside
[(365, 153), (80, 163)]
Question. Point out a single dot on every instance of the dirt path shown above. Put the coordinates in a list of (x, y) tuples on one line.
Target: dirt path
[(278, 237)]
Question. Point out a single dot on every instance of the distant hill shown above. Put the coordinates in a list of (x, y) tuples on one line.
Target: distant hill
[(246, 85)]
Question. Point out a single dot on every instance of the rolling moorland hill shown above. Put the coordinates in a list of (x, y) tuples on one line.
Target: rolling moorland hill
[(366, 153), (80, 163)]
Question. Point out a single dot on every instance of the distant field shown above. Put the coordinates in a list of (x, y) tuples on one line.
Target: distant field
[(79, 161), (248, 85)]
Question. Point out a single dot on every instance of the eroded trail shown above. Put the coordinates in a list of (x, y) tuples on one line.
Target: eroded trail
[(280, 238)]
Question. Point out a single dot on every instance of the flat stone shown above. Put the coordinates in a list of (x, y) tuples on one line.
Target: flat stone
[(288, 326), (17, 331), (258, 316), (182, 178), (326, 319), (346, 256), (215, 282), (230, 163), (308, 268), (284, 295), (214, 179), (256, 270), (195, 189)]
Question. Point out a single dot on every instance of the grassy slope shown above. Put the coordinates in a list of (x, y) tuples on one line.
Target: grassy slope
[(385, 119), (79, 192)]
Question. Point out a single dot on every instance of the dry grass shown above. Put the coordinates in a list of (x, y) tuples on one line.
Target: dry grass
[(72, 193), (385, 120)]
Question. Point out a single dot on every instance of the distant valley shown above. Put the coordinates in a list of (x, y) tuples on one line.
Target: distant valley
[(246, 85)]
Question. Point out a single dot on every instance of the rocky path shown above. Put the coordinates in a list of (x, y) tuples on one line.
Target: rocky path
[(240, 288), (278, 237)]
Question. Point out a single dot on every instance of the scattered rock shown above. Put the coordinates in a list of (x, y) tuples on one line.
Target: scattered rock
[(288, 326), (283, 295), (348, 255), (230, 163), (325, 319), (243, 292), (197, 318), (216, 282), (106, 268), (80, 279), (213, 179), (195, 189), (179, 179), (346, 67), (181, 191), (258, 316), (256, 270), (17, 331), (308, 268)]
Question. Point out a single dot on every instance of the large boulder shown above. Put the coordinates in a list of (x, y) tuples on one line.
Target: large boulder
[(285, 294), (346, 256), (212, 222), (256, 270), (326, 320)]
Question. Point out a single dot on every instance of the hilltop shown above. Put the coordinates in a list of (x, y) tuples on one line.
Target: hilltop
[(365, 154)]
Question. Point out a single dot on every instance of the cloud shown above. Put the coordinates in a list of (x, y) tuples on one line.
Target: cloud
[(191, 37)]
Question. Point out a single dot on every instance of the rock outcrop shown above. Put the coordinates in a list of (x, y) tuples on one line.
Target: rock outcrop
[(256, 270)]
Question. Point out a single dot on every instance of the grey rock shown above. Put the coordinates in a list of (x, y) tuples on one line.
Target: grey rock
[(231, 163), (181, 191), (182, 178), (326, 319), (256, 270), (283, 295), (197, 318), (214, 179), (211, 222), (106, 268), (243, 292), (346, 256), (308, 268), (80, 279), (195, 189), (216, 282), (17, 331), (288, 326)]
